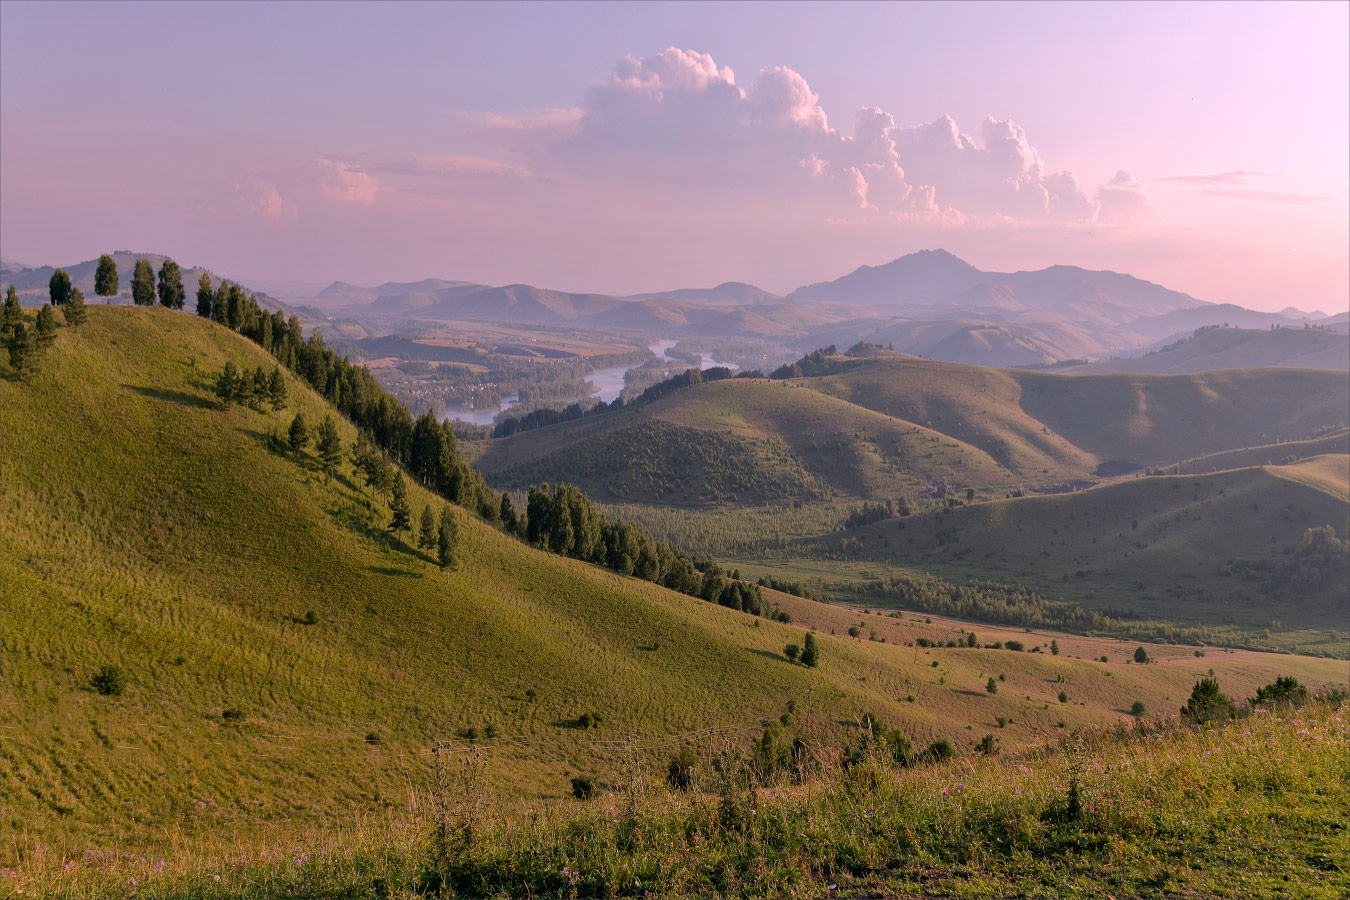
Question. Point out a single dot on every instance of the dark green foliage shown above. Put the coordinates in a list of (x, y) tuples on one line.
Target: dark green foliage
[(171, 285), (680, 772), (143, 283), (582, 787), (772, 754), (1207, 703), (1054, 648), (991, 686), (1138, 709), (311, 618), (220, 304), (940, 750), (972, 640), (45, 329), (987, 746), (820, 362), (105, 277), (21, 350), (426, 532), (1283, 691), (110, 681), (75, 311), (13, 312), (899, 747), (59, 288), (1140, 655), (588, 720), (298, 434), (328, 443), (795, 588), (400, 515), (1015, 646), (205, 296), (227, 384), (810, 652), (276, 388), (1063, 697), (447, 539), (507, 514), (792, 651)]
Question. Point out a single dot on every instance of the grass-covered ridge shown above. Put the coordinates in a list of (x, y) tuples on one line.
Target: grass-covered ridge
[(1256, 808)]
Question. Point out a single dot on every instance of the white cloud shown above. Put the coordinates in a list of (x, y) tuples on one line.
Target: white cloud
[(1123, 200), (341, 182)]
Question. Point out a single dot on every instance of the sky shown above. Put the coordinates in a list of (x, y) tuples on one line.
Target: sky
[(624, 148)]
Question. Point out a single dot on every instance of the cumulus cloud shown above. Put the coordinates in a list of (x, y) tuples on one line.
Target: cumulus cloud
[(341, 182), (258, 198), (680, 117), (1123, 200)]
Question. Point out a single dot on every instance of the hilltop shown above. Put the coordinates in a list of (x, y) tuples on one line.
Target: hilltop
[(148, 528), (1215, 348)]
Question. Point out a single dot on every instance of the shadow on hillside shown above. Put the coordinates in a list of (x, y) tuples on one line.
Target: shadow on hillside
[(182, 398), (398, 573), (569, 723), (967, 693), (777, 657)]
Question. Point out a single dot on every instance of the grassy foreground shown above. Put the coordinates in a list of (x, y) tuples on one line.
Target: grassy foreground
[(1257, 808)]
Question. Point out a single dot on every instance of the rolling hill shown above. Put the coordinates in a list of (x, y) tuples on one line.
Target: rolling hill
[(1213, 349), (147, 528)]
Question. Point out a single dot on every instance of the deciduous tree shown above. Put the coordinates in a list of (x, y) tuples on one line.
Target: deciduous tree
[(59, 288), (171, 285), (105, 278), (143, 283), (206, 297)]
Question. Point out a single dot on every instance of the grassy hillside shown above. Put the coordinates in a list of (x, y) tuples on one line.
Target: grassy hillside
[(1335, 442), (1210, 349), (1226, 549), (148, 529)]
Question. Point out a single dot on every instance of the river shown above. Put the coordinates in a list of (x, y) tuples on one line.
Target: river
[(610, 383)]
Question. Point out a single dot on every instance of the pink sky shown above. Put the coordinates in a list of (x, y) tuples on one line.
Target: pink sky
[(634, 148)]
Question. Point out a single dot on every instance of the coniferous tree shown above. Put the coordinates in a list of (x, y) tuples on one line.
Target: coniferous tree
[(276, 389), (447, 539), (13, 313), (298, 436), (105, 278), (262, 386), (508, 515), (426, 534), (810, 652), (76, 312), (1207, 703), (205, 296), (143, 283), (401, 515), (227, 384), (59, 288), (171, 285), (21, 350), (45, 331), (329, 445), (220, 305)]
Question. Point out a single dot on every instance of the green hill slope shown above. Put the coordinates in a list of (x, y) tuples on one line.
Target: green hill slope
[(147, 528), (1226, 549)]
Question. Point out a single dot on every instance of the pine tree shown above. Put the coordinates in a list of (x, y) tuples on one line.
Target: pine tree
[(105, 279), (59, 288), (220, 306), (170, 285), (76, 312), (398, 506), (21, 350), (205, 296), (298, 436), (447, 539), (13, 313), (262, 386), (426, 535), (276, 389), (143, 283), (507, 514), (810, 652), (227, 384), (46, 326), (329, 445)]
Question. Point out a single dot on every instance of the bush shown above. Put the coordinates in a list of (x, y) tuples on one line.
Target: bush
[(311, 618), (987, 746), (680, 774), (991, 685), (1140, 655), (110, 681), (792, 651), (1063, 697), (232, 714), (1015, 646), (940, 750), (1207, 703), (582, 787), (588, 720), (1138, 709), (1283, 691)]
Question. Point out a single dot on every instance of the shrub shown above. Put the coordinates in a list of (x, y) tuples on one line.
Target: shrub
[(311, 618), (1063, 697), (1283, 691), (853, 631), (110, 681), (988, 745), (792, 651), (1054, 648), (680, 774), (489, 731), (582, 787), (1003, 721), (588, 720), (1140, 655), (940, 751), (1138, 709), (810, 653), (1015, 646), (373, 737), (1207, 703), (232, 714), (991, 685)]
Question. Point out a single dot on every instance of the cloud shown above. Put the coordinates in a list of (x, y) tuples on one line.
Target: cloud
[(1123, 200), (1222, 178), (340, 182), (259, 198), (1282, 197), (678, 118)]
